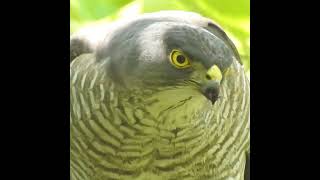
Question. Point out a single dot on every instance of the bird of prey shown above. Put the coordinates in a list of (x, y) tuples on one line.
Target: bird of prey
[(161, 96)]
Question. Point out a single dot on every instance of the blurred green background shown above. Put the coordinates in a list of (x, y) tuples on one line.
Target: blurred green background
[(232, 15)]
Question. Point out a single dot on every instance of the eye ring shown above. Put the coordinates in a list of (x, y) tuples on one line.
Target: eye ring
[(179, 60)]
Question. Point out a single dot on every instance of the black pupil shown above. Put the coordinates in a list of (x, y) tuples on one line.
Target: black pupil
[(181, 59)]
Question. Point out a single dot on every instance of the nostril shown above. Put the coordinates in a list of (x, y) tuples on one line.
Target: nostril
[(208, 77)]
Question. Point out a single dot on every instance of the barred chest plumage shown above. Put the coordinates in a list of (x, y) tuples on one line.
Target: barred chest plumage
[(113, 137)]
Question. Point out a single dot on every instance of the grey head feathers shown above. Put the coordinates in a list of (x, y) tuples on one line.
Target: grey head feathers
[(140, 50), (87, 39)]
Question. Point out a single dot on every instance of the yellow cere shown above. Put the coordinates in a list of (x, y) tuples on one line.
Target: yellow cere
[(179, 60), (215, 73)]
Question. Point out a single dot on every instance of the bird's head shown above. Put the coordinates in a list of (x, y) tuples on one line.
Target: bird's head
[(175, 63)]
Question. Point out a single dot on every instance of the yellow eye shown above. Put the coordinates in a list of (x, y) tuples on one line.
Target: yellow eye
[(179, 60)]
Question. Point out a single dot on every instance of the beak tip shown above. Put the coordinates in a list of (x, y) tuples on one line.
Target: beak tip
[(211, 93)]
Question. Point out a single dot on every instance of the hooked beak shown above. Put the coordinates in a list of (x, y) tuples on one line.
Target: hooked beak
[(211, 86)]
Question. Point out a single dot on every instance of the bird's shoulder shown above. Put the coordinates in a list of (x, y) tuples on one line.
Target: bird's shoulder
[(91, 87), (88, 74)]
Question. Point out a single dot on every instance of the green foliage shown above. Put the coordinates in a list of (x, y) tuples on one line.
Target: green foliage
[(232, 15)]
